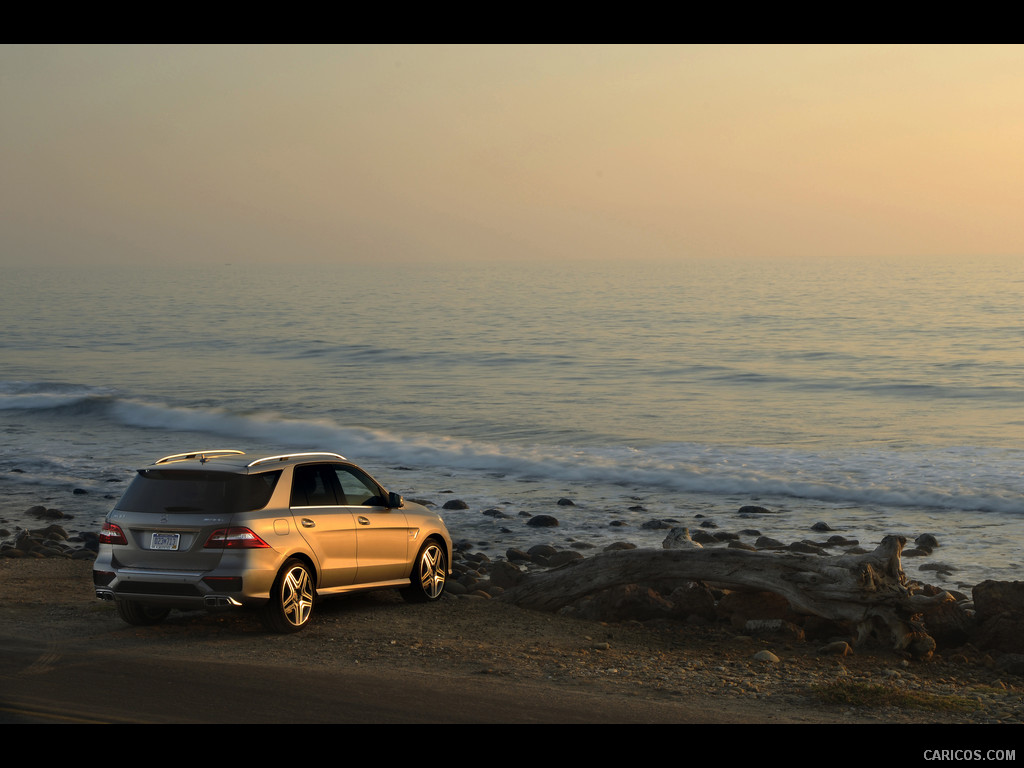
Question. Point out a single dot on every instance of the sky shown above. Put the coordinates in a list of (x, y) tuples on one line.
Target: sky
[(144, 154)]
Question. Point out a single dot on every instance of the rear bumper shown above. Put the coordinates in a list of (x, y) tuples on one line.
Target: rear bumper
[(205, 602), (186, 590)]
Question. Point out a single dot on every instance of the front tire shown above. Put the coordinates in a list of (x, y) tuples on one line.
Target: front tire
[(291, 599), (140, 614), (428, 574)]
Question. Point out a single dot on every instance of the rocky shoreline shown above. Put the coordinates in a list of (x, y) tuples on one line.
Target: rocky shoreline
[(737, 644)]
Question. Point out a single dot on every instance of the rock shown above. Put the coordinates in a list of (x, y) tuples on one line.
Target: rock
[(1011, 663), (752, 509), (702, 537), (948, 623), (46, 514), (992, 598), (766, 542), (562, 557), (517, 555), (542, 521), (453, 587), (679, 538), (504, 574), (455, 504), (940, 567), (926, 541), (541, 550), (566, 503), (840, 541), (821, 527), (999, 611), (742, 545), (494, 513), (836, 648), (767, 656), (656, 525)]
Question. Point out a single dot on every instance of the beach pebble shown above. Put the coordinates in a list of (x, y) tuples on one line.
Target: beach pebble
[(562, 557), (654, 525), (541, 550), (842, 541), (542, 521), (679, 538), (742, 545), (752, 509), (504, 574), (837, 648)]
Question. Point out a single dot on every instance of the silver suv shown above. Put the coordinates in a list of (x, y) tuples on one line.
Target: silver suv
[(212, 529)]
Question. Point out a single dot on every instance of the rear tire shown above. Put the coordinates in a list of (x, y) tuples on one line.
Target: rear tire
[(428, 574), (141, 614), (291, 598)]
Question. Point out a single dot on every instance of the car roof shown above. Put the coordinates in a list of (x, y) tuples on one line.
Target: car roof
[(231, 460)]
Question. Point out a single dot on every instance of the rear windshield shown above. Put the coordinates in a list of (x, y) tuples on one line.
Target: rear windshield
[(163, 490)]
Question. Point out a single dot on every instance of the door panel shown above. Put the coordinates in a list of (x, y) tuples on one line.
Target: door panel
[(382, 534), (383, 537), (327, 527)]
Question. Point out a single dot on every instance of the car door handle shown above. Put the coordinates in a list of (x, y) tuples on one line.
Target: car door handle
[(363, 520), (307, 523)]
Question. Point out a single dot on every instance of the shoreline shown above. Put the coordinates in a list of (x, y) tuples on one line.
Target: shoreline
[(476, 633)]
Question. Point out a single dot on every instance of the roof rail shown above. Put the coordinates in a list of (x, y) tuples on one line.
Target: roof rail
[(286, 456), (201, 455)]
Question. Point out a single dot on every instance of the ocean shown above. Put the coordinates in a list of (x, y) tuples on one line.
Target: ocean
[(875, 397)]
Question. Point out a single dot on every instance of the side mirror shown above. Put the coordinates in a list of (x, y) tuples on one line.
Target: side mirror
[(395, 500)]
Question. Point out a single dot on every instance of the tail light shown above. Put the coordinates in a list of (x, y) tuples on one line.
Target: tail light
[(234, 538), (112, 534)]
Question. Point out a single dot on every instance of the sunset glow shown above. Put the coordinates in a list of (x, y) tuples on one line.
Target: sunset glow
[(341, 153)]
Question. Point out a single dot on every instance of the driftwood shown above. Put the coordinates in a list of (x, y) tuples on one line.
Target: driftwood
[(869, 590)]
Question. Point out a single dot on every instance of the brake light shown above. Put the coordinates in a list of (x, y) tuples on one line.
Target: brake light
[(112, 534), (235, 538)]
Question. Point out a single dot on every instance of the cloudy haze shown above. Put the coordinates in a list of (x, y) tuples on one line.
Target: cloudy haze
[(132, 154)]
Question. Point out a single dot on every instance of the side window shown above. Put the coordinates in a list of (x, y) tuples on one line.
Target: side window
[(357, 489), (313, 486)]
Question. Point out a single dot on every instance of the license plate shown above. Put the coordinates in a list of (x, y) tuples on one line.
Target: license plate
[(165, 541)]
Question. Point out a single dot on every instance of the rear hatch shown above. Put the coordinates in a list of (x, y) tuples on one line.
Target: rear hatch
[(169, 515)]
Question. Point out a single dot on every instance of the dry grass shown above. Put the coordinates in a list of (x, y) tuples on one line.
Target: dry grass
[(876, 695)]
